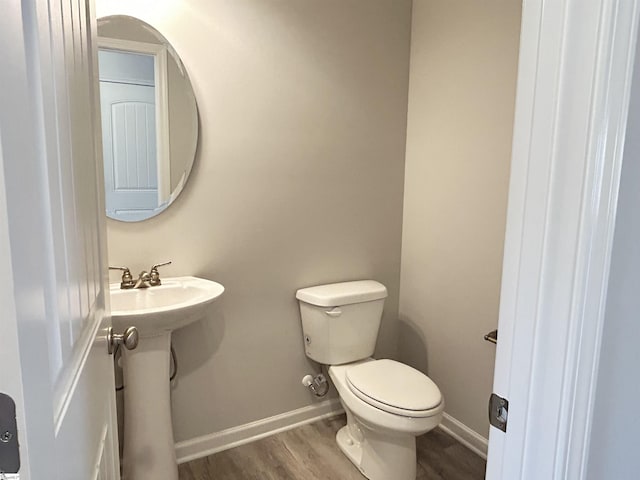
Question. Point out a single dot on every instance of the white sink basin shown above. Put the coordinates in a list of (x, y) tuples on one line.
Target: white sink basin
[(176, 303)]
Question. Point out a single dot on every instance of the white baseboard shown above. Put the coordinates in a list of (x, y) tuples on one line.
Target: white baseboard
[(233, 437), (469, 438)]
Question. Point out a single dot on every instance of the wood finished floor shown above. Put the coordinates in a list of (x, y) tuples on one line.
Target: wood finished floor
[(310, 452)]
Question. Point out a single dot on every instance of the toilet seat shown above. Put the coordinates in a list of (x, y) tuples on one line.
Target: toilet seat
[(394, 388)]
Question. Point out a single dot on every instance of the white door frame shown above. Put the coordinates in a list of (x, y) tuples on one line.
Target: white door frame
[(21, 282), (10, 374), (160, 72), (50, 278), (574, 81)]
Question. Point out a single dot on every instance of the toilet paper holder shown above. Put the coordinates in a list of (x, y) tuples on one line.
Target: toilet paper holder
[(492, 336)]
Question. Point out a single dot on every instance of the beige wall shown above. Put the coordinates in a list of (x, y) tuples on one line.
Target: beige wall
[(461, 103), (298, 181)]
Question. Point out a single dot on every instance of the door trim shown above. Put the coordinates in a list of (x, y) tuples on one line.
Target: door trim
[(574, 80), (10, 373)]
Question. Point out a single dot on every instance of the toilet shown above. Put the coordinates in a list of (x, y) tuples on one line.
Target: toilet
[(387, 403)]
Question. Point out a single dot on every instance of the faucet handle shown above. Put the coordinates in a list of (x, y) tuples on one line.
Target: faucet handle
[(155, 267), (124, 269), (155, 275), (127, 280)]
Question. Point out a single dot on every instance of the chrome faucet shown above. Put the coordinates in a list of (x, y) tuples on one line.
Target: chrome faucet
[(126, 281), (154, 275), (145, 279)]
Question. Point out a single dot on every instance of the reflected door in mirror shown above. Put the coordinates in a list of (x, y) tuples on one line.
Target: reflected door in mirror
[(127, 101)]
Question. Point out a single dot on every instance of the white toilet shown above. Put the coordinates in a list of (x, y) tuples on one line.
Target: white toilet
[(387, 403)]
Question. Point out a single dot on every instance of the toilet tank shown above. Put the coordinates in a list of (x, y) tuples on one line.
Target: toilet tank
[(340, 321)]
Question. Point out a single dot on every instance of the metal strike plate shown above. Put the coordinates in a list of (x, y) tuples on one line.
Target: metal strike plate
[(9, 448), (498, 412)]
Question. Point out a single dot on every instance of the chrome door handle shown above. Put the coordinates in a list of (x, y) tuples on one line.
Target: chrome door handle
[(129, 339)]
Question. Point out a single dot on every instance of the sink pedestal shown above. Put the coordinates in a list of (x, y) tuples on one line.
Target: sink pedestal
[(149, 450)]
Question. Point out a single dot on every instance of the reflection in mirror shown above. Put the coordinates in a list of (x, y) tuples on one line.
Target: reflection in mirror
[(149, 119)]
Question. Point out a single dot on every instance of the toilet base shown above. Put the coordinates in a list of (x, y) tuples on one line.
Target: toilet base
[(378, 454), (350, 448)]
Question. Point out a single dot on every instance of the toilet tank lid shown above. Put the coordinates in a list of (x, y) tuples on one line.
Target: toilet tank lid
[(344, 293)]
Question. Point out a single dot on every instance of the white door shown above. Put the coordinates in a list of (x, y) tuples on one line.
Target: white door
[(574, 80), (53, 282), (129, 146)]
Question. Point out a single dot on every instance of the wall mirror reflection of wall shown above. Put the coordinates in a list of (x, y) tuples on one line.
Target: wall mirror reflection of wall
[(149, 119)]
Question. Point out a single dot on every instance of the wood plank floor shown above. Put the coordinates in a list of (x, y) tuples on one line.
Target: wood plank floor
[(310, 452)]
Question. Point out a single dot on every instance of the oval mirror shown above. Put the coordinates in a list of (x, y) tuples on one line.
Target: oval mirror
[(149, 119)]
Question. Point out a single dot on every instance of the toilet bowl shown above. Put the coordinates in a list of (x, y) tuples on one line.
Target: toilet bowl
[(380, 436), (387, 403)]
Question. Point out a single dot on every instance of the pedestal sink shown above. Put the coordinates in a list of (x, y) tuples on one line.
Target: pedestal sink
[(149, 451)]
